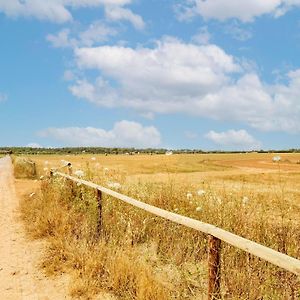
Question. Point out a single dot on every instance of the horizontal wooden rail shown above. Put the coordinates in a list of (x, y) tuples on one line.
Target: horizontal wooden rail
[(279, 259)]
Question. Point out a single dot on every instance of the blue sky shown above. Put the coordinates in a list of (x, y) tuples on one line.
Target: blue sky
[(214, 74)]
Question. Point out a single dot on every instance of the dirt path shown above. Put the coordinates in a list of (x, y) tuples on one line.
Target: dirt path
[(20, 278)]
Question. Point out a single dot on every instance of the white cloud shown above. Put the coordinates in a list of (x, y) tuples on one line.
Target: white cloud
[(202, 37), (117, 13), (96, 33), (59, 11), (123, 134), (171, 73), (3, 97), (238, 32), (234, 140), (61, 39), (69, 75), (54, 11), (245, 11), (199, 80)]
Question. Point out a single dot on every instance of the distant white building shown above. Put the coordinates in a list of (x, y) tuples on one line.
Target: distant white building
[(169, 153)]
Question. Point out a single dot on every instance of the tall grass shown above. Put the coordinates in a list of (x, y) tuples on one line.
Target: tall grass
[(24, 167), (139, 256)]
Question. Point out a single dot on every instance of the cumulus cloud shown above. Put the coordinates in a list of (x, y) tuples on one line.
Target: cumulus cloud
[(199, 80), (117, 13), (245, 11), (59, 11), (96, 33), (168, 75), (43, 10), (61, 39), (234, 140), (123, 134)]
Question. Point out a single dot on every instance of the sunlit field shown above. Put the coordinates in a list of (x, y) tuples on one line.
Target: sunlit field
[(139, 256)]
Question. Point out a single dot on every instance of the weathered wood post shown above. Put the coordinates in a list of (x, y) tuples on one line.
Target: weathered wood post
[(214, 268), (99, 204), (70, 169), (71, 183), (34, 170)]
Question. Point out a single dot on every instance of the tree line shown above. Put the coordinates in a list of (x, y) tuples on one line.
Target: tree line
[(128, 151)]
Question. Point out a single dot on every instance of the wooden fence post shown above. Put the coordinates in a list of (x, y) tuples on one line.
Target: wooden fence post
[(71, 183), (99, 204), (70, 169), (34, 170), (214, 268)]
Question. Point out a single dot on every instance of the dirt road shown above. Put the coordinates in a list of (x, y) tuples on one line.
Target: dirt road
[(20, 278)]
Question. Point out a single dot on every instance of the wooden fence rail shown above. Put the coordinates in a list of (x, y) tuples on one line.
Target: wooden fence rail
[(216, 235)]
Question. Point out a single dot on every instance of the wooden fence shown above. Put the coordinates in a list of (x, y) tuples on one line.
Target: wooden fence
[(216, 235)]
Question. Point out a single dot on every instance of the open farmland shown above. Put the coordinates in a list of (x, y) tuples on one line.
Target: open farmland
[(150, 150), (247, 194)]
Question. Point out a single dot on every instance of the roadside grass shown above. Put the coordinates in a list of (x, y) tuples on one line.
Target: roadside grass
[(139, 256), (24, 167)]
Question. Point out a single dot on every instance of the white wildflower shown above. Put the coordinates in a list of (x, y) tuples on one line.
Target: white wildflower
[(219, 200), (176, 209), (64, 163), (198, 208), (189, 196), (42, 177), (45, 169), (79, 173), (31, 195), (201, 192), (114, 185), (78, 184), (106, 170), (245, 200), (93, 158)]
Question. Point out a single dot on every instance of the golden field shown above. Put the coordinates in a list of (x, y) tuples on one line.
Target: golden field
[(139, 256)]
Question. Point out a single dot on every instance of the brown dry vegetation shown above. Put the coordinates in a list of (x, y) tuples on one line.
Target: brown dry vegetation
[(138, 256), (24, 168)]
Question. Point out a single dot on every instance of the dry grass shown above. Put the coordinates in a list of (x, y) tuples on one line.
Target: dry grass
[(138, 256), (24, 168), (142, 164)]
